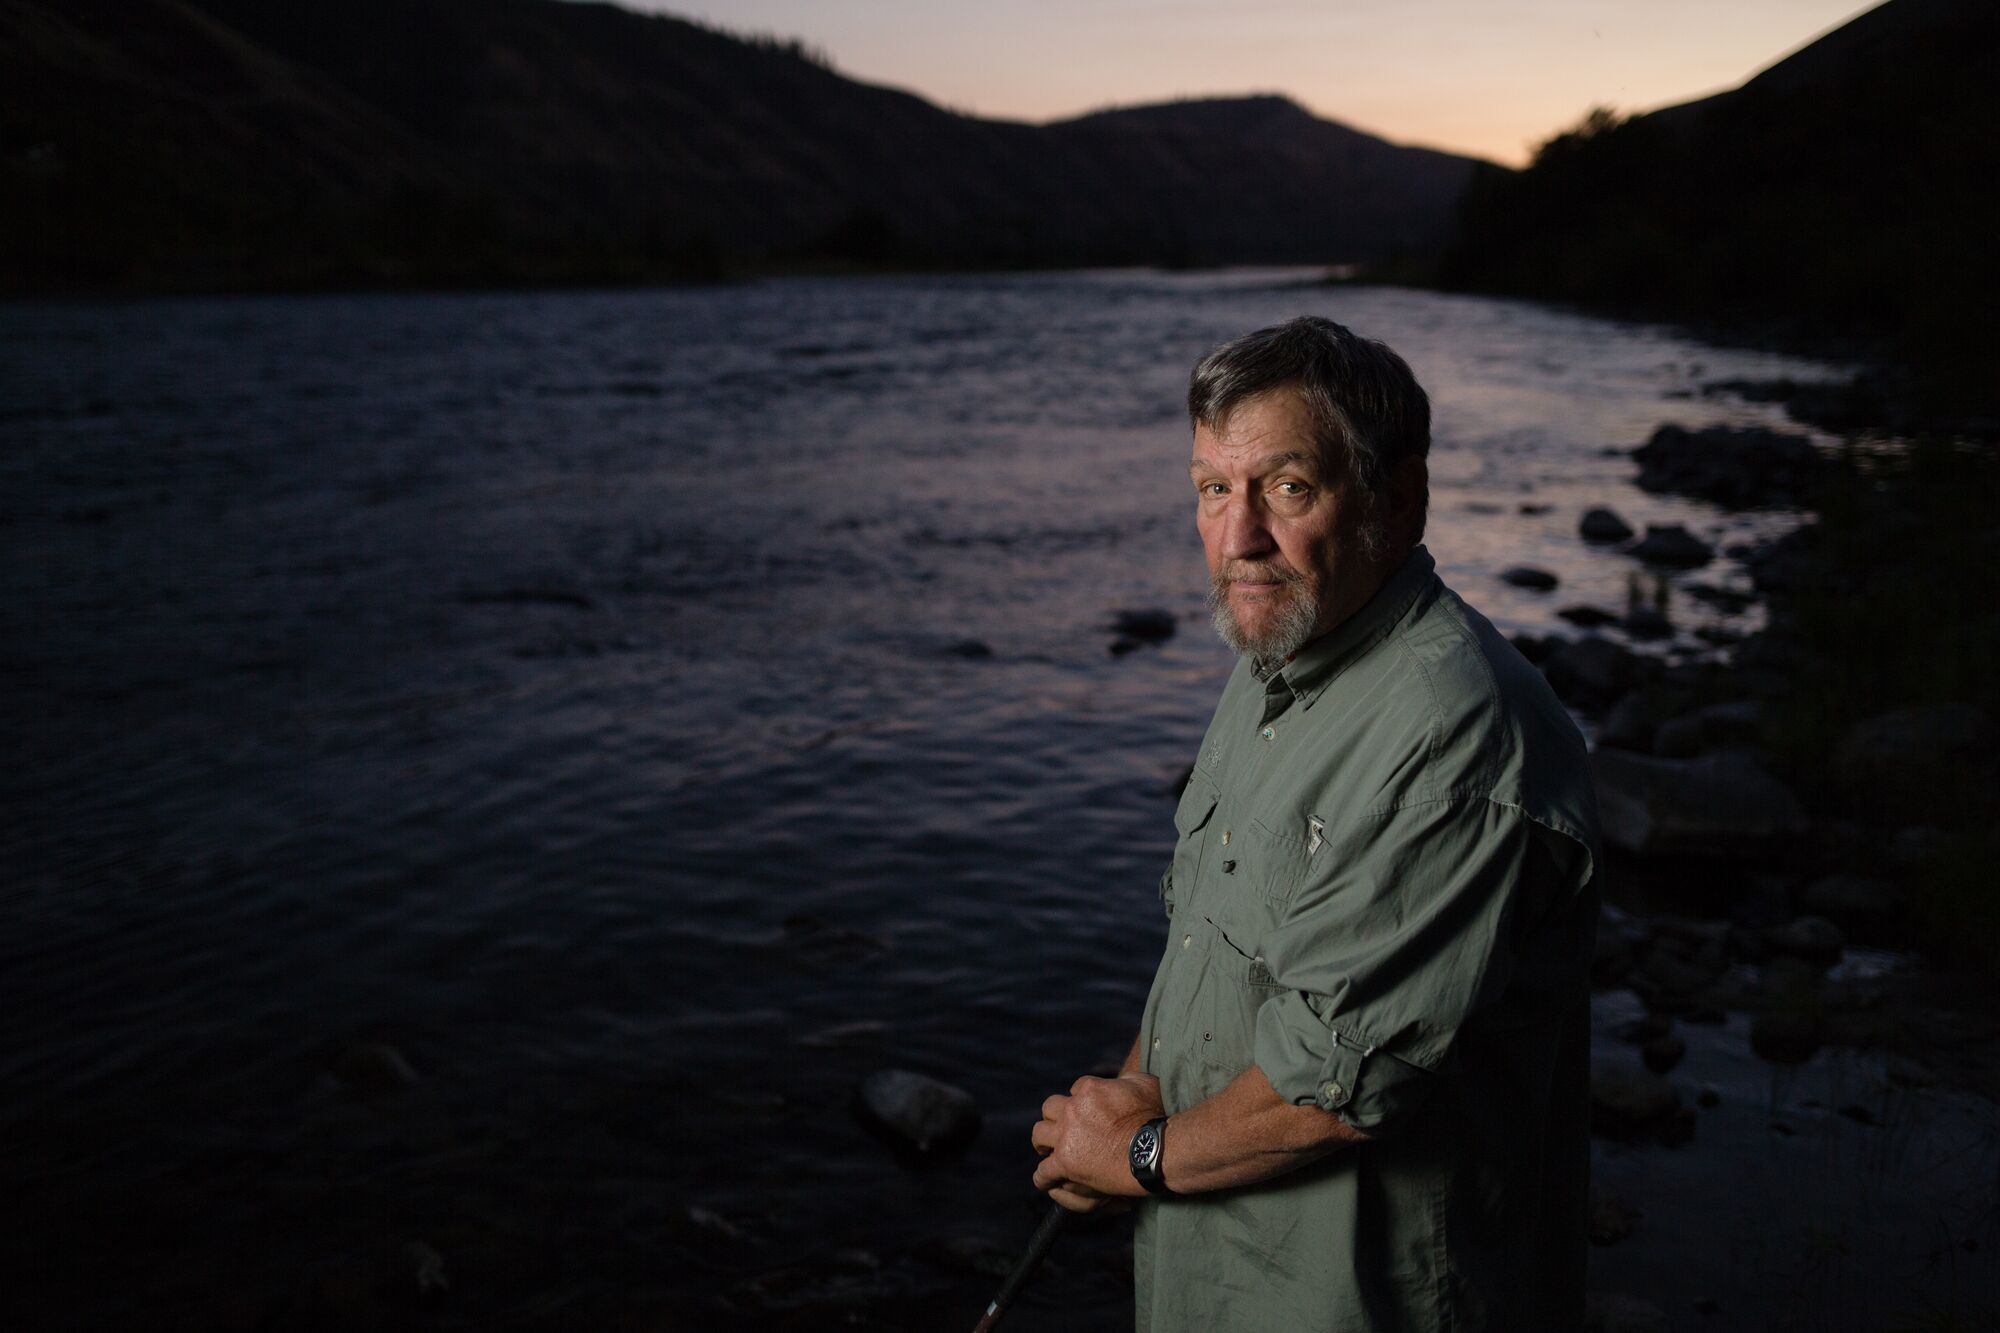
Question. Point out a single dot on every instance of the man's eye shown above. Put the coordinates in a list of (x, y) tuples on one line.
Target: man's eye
[(1212, 488), (1291, 488)]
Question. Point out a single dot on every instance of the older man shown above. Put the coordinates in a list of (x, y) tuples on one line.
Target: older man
[(1358, 1098)]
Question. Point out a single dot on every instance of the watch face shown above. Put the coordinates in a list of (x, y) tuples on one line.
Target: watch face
[(1146, 1145)]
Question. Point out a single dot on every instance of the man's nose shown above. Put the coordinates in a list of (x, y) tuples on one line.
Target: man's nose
[(1245, 535)]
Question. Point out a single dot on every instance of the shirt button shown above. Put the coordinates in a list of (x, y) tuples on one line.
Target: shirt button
[(1156, 1043), (1225, 837), (1333, 1094), (1228, 867), (1269, 733), (1186, 940)]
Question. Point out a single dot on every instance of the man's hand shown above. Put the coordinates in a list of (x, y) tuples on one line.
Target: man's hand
[(1084, 1139)]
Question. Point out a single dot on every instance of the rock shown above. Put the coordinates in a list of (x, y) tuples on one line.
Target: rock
[(1590, 671), (1534, 647), (1148, 625), (1611, 1218), (1720, 805), (1603, 526), (1784, 1038), (1639, 1031), (1727, 600), (1679, 738), (1663, 1053), (1588, 617), (1852, 898), (1710, 728), (1604, 1312), (1672, 544), (1527, 576), (1646, 622), (929, 1116), (1913, 847), (1889, 754), (1737, 467), (969, 648), (376, 1067), (1812, 938), (1629, 724), (1628, 1103)]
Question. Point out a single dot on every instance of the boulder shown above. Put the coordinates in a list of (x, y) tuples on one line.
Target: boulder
[(1710, 728), (1647, 622), (1604, 525), (1147, 625), (1591, 671), (918, 1110), (1891, 752), (1672, 544), (1663, 1053), (1628, 1103), (1719, 805), (1739, 467), (1629, 724), (1588, 617), (1812, 938), (1852, 898), (1529, 577)]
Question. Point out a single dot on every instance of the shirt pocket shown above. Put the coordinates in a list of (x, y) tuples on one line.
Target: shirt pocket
[(1236, 985), (1191, 819), (1277, 861)]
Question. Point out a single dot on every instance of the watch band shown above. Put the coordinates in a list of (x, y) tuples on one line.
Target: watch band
[(1148, 1144)]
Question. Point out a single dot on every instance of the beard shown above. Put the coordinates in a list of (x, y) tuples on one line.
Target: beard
[(1287, 625)]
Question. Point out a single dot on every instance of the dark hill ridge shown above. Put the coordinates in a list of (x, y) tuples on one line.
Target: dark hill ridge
[(217, 143), (1845, 191)]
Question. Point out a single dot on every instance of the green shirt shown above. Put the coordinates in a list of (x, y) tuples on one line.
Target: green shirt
[(1382, 896)]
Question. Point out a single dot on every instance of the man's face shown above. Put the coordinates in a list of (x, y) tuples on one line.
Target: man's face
[(1281, 528)]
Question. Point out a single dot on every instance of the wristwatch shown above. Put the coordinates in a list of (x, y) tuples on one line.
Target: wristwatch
[(1145, 1155)]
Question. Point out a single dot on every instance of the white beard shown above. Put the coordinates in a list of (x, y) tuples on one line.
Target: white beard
[(1286, 633)]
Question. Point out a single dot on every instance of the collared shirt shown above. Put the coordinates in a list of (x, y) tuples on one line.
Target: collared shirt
[(1382, 895)]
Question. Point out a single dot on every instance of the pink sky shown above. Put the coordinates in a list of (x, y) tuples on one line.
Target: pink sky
[(1476, 76)]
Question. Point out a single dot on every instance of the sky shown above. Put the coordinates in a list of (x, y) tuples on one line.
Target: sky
[(1486, 77)]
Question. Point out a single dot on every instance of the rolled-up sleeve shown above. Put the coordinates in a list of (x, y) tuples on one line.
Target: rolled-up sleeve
[(1393, 941)]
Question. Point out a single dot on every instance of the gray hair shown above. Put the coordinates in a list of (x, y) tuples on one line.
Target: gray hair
[(1366, 406)]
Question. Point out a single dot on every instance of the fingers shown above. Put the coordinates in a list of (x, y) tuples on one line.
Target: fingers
[(1077, 1201), (1046, 1136), (1054, 1106), (1047, 1176)]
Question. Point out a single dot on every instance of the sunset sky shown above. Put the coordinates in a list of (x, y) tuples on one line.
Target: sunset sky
[(1471, 75)]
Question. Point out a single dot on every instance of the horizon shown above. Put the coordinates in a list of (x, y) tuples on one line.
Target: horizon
[(1450, 75)]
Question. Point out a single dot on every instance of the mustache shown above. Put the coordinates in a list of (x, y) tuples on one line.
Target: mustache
[(1255, 571)]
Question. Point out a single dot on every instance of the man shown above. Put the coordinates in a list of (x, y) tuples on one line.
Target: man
[(1369, 1033)]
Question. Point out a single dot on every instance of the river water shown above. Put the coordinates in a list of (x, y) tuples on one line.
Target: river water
[(572, 691)]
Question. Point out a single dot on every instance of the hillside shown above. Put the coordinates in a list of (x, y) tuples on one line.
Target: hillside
[(202, 144), (1845, 192)]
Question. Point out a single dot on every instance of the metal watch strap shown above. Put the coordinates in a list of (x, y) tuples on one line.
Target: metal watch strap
[(1148, 1147)]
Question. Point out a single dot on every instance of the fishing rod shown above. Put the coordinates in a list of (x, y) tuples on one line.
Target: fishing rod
[(1038, 1246)]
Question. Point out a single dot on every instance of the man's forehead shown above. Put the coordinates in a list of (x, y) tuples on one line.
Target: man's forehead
[(1216, 460)]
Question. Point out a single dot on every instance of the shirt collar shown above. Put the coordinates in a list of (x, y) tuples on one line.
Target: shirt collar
[(1315, 666)]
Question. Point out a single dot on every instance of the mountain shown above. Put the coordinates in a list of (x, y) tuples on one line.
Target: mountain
[(200, 144), (1845, 192)]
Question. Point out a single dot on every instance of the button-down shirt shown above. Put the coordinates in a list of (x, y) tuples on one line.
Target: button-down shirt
[(1382, 896)]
